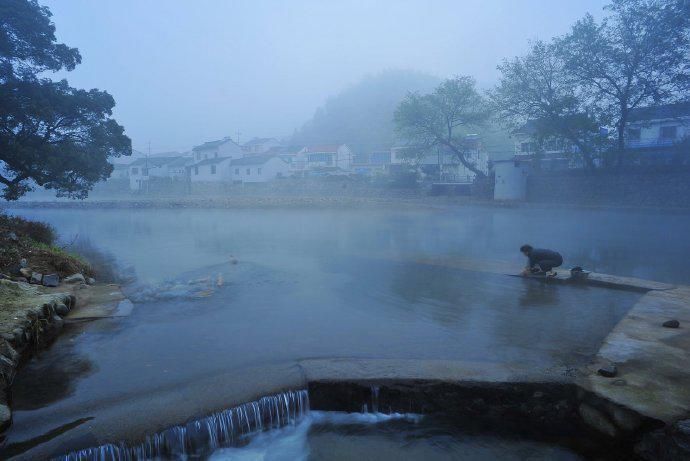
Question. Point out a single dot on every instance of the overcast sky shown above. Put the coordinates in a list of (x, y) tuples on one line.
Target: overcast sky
[(183, 72)]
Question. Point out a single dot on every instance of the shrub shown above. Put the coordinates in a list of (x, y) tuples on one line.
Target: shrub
[(35, 230)]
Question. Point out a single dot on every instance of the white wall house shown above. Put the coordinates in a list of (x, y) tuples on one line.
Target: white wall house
[(144, 169), (258, 168), (225, 147), (214, 169), (332, 158), (258, 146), (653, 133)]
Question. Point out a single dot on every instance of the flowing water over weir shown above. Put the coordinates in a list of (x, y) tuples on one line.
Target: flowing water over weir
[(225, 428)]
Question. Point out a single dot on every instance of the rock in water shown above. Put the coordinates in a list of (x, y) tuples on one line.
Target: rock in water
[(25, 272), (671, 323), (91, 280), (608, 371), (62, 309), (36, 278), (5, 416), (51, 280), (74, 278)]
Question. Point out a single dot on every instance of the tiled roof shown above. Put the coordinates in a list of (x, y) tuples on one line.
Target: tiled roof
[(253, 160), (325, 148), (214, 144), (681, 109), (211, 161), (153, 162), (254, 141)]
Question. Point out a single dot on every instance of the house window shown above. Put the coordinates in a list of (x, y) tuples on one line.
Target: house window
[(527, 147), (258, 171), (213, 169), (249, 171), (237, 171), (668, 132), (135, 170), (196, 170), (634, 134)]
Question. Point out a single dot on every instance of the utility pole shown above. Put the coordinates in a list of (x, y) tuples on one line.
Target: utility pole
[(147, 168)]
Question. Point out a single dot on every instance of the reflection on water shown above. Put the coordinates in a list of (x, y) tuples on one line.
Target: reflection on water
[(331, 284)]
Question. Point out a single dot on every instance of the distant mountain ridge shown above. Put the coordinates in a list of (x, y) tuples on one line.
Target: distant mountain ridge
[(362, 115)]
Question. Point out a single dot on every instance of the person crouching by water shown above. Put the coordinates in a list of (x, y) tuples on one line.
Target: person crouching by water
[(540, 261)]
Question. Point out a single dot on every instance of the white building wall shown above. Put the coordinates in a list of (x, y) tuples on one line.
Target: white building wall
[(510, 180), (204, 173), (268, 171)]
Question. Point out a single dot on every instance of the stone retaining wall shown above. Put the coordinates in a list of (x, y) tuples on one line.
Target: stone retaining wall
[(649, 187), (29, 329)]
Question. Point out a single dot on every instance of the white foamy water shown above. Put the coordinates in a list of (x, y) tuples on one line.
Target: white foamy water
[(291, 443)]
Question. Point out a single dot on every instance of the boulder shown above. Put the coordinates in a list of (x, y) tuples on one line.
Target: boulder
[(90, 280), (36, 278), (51, 280), (608, 370), (5, 416), (597, 420), (20, 279), (62, 309), (74, 278), (12, 236), (671, 324), (25, 272)]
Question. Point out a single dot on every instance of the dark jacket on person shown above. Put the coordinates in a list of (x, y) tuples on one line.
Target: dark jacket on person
[(541, 254)]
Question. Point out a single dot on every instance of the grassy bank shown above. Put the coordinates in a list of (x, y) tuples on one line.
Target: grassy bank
[(35, 242)]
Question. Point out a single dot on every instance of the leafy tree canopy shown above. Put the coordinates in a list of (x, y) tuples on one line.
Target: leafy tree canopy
[(51, 134), (637, 56), (441, 119), (535, 91)]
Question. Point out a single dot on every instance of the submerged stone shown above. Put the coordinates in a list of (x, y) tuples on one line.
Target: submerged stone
[(671, 324)]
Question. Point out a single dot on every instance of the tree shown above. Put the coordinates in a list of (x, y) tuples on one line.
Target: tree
[(536, 90), (436, 120), (637, 56), (51, 134)]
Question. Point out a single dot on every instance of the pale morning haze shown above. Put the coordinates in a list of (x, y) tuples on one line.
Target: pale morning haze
[(186, 72), (353, 230)]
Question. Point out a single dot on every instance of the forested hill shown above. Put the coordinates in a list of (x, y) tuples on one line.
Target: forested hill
[(362, 115)]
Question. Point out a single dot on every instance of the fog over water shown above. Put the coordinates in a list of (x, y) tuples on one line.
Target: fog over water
[(205, 69)]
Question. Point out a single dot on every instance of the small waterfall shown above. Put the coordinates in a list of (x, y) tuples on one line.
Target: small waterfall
[(225, 428), (375, 398)]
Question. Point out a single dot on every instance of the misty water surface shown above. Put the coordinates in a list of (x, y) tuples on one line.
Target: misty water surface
[(322, 284)]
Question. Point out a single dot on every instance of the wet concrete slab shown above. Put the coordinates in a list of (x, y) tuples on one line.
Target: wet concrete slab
[(131, 417), (360, 370), (653, 377)]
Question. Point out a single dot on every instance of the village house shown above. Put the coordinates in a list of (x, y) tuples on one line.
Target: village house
[(258, 146), (322, 159), (145, 169), (659, 135), (555, 153), (258, 168), (225, 147), (250, 169)]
